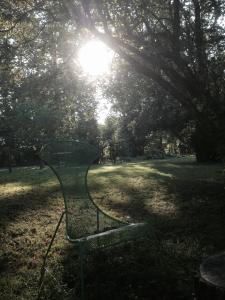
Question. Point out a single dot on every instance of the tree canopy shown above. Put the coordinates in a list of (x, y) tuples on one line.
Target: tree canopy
[(170, 69), (179, 45), (42, 95)]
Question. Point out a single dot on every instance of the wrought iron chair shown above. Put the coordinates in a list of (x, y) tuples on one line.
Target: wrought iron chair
[(87, 226)]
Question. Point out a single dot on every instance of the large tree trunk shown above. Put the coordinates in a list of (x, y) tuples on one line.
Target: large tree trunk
[(7, 158), (207, 142)]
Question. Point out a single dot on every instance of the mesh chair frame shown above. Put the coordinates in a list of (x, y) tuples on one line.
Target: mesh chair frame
[(118, 232)]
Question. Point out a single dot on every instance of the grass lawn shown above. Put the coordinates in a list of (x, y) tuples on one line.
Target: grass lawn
[(185, 202)]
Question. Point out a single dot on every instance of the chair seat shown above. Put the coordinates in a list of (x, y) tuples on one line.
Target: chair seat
[(113, 236)]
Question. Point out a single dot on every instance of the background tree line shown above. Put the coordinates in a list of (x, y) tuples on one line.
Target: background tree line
[(168, 74), (42, 95), (178, 46)]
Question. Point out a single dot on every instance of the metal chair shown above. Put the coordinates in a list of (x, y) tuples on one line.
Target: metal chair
[(87, 226)]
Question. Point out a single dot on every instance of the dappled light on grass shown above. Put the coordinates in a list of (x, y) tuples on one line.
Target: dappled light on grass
[(131, 187), (18, 188), (171, 193), (183, 200), (9, 189), (131, 169), (159, 205), (28, 214)]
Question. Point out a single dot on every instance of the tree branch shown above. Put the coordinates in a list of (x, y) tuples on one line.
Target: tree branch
[(140, 61)]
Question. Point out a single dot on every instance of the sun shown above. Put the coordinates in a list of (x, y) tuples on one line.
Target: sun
[(95, 58)]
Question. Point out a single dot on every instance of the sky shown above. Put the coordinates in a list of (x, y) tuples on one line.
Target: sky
[(103, 108), (95, 59)]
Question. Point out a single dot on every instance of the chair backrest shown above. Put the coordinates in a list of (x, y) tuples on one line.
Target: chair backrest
[(70, 161)]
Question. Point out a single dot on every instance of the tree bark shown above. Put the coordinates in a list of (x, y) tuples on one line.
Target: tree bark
[(206, 141)]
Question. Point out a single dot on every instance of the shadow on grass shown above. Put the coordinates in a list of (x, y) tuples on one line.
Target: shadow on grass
[(19, 205), (162, 269), (27, 178), (25, 190), (189, 213), (139, 270), (182, 198)]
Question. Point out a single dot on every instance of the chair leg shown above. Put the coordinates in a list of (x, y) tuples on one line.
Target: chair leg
[(82, 274), (43, 268)]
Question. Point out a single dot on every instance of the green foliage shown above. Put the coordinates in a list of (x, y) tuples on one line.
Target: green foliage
[(145, 109), (178, 45), (42, 95)]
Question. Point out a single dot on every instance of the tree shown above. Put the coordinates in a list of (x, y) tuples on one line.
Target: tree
[(177, 44), (144, 108), (42, 95)]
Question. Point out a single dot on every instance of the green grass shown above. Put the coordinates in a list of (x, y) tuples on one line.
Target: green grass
[(183, 200)]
